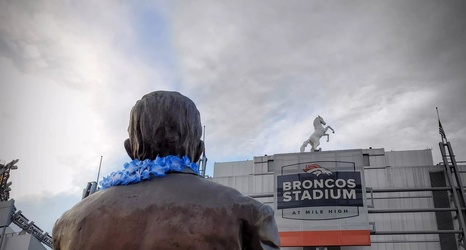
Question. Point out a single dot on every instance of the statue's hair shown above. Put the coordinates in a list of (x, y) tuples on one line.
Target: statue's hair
[(164, 123)]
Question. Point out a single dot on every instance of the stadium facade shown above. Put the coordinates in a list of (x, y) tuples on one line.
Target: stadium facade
[(352, 199)]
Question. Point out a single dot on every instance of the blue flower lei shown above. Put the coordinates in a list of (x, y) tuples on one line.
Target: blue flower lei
[(137, 171)]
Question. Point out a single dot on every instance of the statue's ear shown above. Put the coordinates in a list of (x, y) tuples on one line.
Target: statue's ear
[(129, 149)]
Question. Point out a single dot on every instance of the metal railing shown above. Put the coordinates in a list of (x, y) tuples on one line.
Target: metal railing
[(28, 226)]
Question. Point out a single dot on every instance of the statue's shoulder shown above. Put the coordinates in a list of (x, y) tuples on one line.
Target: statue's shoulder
[(74, 220), (80, 210)]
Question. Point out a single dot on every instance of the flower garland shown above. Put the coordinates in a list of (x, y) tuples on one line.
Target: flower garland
[(137, 171)]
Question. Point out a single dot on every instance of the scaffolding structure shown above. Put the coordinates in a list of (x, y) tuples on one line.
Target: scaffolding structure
[(456, 188), (17, 216)]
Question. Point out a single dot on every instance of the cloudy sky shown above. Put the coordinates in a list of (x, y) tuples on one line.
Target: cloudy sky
[(259, 72)]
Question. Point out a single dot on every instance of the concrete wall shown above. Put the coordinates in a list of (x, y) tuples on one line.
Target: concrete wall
[(21, 242)]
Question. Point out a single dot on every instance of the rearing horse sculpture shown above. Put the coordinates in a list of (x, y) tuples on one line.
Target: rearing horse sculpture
[(318, 133)]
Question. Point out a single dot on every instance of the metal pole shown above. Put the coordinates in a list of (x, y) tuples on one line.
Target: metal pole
[(203, 137), (410, 189), (204, 158), (98, 173), (416, 232), (457, 176), (413, 210), (459, 213), (3, 236)]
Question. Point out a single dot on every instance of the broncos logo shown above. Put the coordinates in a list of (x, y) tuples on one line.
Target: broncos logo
[(316, 170)]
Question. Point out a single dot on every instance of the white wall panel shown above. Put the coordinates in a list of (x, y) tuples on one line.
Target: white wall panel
[(236, 168)]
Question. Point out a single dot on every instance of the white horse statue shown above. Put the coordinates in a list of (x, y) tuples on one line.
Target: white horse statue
[(318, 133)]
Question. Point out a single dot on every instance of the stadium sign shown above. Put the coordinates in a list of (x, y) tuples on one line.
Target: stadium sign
[(318, 193), (320, 199)]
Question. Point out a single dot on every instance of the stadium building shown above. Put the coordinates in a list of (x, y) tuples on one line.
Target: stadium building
[(357, 199)]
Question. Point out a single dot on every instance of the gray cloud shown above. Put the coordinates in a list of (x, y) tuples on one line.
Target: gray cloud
[(68, 88), (375, 70), (258, 71)]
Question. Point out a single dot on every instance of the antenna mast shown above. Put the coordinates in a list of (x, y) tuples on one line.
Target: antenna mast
[(98, 173), (204, 158)]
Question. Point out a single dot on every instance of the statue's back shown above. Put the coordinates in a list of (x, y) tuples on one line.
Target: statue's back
[(186, 212)]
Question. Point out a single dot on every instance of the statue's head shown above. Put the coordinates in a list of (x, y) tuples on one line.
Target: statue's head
[(319, 120), (164, 123)]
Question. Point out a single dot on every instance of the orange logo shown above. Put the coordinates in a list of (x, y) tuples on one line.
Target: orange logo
[(316, 170)]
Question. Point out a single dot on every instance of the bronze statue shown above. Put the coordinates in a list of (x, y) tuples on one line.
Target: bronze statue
[(181, 210)]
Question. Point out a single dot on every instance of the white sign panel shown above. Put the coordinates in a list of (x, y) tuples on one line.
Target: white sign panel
[(321, 194)]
